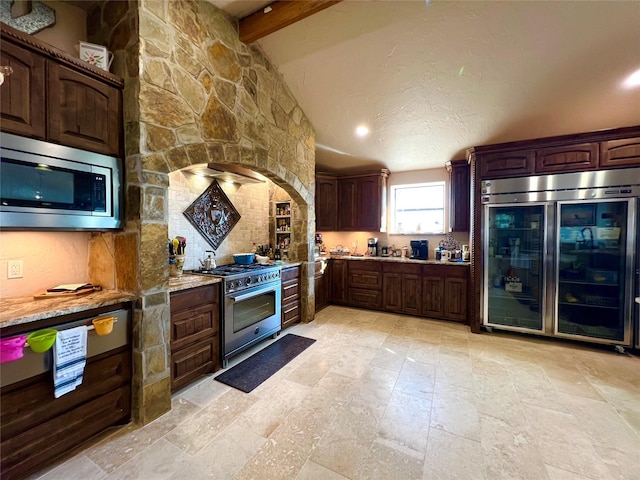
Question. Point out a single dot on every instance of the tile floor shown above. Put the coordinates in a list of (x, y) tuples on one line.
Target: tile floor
[(382, 396)]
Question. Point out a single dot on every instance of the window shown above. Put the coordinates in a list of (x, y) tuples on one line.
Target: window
[(417, 208)]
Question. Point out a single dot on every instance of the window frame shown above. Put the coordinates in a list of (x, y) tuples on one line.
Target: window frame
[(393, 230)]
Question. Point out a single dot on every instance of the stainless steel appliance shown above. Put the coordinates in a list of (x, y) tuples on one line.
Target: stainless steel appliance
[(44, 185), (372, 247), (420, 249), (559, 254), (251, 305)]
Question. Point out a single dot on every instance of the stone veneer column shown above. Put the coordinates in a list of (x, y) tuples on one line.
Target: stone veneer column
[(193, 94)]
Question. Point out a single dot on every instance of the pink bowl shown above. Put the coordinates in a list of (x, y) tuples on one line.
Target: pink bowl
[(12, 349)]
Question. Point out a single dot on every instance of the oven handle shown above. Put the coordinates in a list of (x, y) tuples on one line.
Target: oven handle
[(253, 292)]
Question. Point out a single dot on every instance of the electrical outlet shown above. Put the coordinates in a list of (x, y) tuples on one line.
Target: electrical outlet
[(14, 269)]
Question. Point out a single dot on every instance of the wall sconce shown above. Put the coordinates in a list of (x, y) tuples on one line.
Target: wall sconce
[(5, 71)]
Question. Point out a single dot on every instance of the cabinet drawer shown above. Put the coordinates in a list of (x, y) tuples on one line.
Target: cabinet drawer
[(365, 298), (389, 267), (192, 297), (290, 273), (290, 313), (194, 360), (290, 292), (34, 448), (27, 404), (192, 325)]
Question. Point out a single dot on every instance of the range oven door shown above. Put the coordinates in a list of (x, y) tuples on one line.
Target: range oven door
[(250, 316)]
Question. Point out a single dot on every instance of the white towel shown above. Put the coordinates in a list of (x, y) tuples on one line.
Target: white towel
[(69, 359)]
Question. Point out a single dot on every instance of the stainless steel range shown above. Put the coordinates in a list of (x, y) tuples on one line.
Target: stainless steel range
[(251, 305)]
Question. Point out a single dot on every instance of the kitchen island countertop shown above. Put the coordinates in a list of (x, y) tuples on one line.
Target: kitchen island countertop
[(21, 310)]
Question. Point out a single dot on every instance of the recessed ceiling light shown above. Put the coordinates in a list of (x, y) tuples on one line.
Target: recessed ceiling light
[(633, 80), (362, 131)]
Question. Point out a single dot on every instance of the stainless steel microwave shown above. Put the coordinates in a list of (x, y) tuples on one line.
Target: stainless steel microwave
[(53, 187)]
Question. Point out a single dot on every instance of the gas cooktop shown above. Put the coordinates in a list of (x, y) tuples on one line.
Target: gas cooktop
[(234, 269)]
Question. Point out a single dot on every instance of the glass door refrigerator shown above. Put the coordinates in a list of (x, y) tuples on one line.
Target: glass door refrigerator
[(559, 255)]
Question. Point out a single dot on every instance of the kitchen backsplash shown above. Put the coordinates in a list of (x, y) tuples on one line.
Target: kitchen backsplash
[(251, 201)]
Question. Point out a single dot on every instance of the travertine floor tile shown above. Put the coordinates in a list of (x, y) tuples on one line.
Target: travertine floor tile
[(393, 397)]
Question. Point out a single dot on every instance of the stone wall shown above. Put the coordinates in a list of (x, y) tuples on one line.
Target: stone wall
[(193, 94)]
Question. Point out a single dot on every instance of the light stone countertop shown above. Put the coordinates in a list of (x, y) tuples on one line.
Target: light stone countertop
[(191, 280), (393, 260), (21, 310)]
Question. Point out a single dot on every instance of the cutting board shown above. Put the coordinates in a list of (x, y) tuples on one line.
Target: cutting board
[(69, 294)]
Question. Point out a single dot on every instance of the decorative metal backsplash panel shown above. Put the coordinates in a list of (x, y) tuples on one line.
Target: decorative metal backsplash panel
[(213, 215)]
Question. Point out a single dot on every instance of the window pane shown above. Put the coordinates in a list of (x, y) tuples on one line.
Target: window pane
[(418, 208)]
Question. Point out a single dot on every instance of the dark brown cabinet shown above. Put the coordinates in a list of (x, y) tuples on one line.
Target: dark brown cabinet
[(445, 292), (606, 149), (360, 202), (55, 97), (567, 159), (322, 284), (620, 153), (347, 199), (338, 287), (508, 164), (326, 203), (401, 288), (365, 284), (82, 112), (459, 195), (22, 109), (290, 296), (195, 338), (37, 427)]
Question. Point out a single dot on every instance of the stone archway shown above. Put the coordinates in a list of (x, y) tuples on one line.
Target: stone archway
[(195, 94)]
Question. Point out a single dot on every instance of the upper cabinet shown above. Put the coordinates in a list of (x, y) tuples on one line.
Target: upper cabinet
[(355, 202), (606, 149), (459, 195), (326, 203), (22, 93), (55, 97)]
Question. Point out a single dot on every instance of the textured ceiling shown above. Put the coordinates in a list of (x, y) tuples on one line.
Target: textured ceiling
[(431, 79)]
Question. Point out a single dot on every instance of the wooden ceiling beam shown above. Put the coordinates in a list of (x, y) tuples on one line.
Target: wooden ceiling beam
[(283, 13)]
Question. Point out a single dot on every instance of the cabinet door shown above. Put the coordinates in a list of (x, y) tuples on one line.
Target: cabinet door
[(189, 363), (573, 158), (359, 297), (347, 204), (392, 292), (460, 204), (368, 212), (455, 301), (339, 282), (620, 153), (326, 204), (22, 107), (82, 112), (411, 293), (433, 296), (507, 164)]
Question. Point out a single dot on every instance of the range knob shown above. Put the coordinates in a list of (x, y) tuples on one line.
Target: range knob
[(247, 281)]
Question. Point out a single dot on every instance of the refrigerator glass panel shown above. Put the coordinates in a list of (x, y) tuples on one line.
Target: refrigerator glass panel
[(591, 269), (514, 266)]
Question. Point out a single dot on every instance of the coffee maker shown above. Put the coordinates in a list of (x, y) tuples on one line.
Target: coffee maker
[(420, 249), (372, 247)]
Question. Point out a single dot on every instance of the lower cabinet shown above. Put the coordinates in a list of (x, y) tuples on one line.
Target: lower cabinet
[(36, 427), (195, 334), (401, 288), (290, 296), (339, 289), (322, 284), (365, 284), (445, 292)]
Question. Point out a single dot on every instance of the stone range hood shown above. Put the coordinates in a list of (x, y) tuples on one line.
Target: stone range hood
[(226, 173), (194, 94)]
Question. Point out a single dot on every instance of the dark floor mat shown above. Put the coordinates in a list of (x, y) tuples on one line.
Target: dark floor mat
[(251, 372)]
